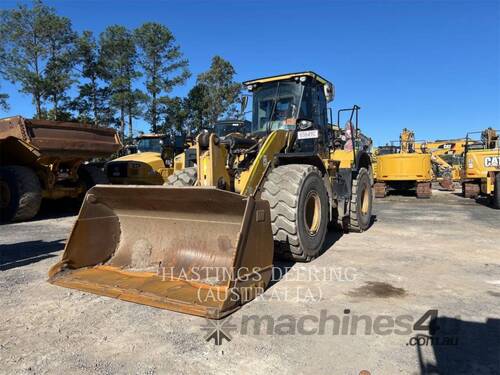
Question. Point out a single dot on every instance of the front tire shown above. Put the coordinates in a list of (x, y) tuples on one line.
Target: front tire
[(361, 202), (299, 210), (20, 194)]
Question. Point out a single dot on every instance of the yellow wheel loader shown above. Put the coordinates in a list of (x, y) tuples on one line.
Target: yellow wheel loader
[(150, 161), (184, 163), (207, 249), (404, 170), (481, 170)]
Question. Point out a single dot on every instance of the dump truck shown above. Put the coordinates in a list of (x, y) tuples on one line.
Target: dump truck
[(405, 169), (152, 161), (481, 169), (41, 159), (207, 249)]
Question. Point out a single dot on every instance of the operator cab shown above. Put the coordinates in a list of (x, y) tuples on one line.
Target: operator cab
[(293, 102), (281, 102), (150, 143)]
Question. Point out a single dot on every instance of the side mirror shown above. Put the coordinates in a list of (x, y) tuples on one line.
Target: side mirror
[(244, 102)]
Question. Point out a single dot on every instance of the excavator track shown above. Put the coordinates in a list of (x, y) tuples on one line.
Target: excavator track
[(471, 190), (424, 190), (380, 190)]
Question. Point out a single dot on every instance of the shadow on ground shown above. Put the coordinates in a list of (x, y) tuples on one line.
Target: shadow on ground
[(403, 192), (24, 253), (52, 209), (462, 347), (282, 266), (484, 201)]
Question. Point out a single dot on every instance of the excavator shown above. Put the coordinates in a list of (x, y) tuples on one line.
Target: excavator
[(404, 169), (207, 248), (446, 159)]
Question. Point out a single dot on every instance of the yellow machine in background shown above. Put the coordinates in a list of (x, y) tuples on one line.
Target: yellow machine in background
[(405, 169), (207, 249), (184, 163), (446, 158), (379, 151), (151, 161), (481, 171)]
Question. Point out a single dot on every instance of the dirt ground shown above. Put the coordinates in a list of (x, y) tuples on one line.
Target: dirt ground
[(440, 254)]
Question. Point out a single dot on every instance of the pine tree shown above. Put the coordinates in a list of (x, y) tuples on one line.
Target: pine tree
[(22, 32), (220, 91), (58, 77), (92, 102), (163, 65), (119, 57), (4, 105), (195, 104), (175, 114), (36, 45)]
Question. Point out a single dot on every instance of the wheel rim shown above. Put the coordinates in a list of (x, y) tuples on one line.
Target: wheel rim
[(4, 194), (312, 213), (365, 201)]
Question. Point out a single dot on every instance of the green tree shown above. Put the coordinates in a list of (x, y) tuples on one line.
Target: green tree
[(174, 116), (195, 104), (163, 65), (92, 102), (119, 56), (37, 45), (23, 38), (60, 39), (4, 105), (220, 93)]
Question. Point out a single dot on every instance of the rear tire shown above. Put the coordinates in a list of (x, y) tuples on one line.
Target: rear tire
[(360, 216), (496, 193), (184, 177), (21, 194), (299, 210)]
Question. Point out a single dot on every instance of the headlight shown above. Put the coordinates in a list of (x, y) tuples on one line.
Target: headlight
[(304, 124)]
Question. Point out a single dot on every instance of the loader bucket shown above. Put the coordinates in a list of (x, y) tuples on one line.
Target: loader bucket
[(195, 250)]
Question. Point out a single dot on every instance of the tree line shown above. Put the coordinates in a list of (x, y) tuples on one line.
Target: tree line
[(116, 77)]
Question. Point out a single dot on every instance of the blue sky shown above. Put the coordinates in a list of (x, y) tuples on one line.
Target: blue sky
[(432, 66)]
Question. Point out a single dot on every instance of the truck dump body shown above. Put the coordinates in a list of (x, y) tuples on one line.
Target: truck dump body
[(61, 140)]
